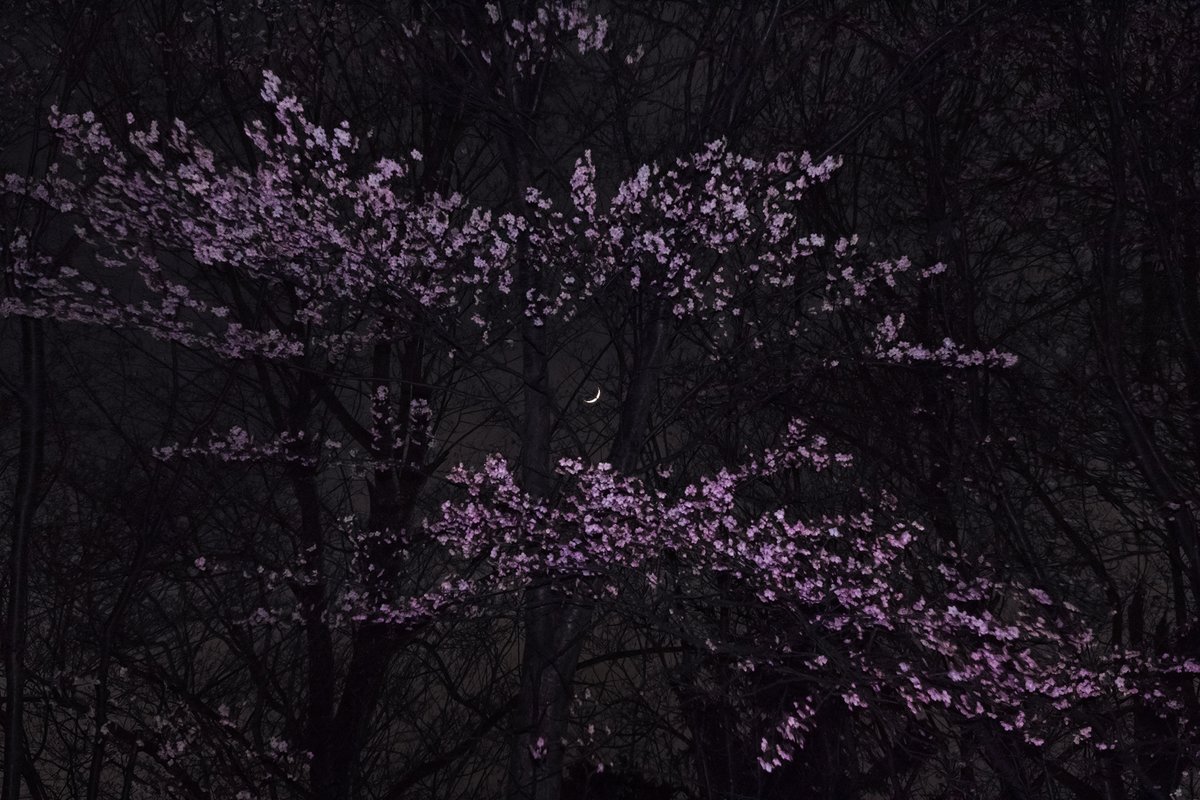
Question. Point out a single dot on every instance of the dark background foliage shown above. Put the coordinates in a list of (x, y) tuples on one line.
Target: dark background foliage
[(1046, 152)]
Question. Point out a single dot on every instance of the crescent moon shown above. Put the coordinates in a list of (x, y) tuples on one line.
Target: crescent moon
[(594, 399)]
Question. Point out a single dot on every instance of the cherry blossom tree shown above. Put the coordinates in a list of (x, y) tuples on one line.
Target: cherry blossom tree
[(346, 300), (683, 241)]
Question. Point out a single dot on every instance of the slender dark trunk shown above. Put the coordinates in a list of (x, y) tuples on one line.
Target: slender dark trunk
[(28, 478), (551, 650), (398, 480), (321, 668), (100, 711)]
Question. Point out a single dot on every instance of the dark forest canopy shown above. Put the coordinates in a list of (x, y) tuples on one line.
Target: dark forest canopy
[(563, 399)]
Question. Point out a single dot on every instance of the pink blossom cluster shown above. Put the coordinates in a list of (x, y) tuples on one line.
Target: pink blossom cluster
[(51, 290), (238, 445), (978, 649), (299, 225), (695, 235), (530, 39), (890, 347), (355, 606), (317, 238), (374, 590), (851, 283)]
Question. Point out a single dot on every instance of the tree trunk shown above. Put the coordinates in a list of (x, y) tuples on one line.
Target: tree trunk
[(25, 505)]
